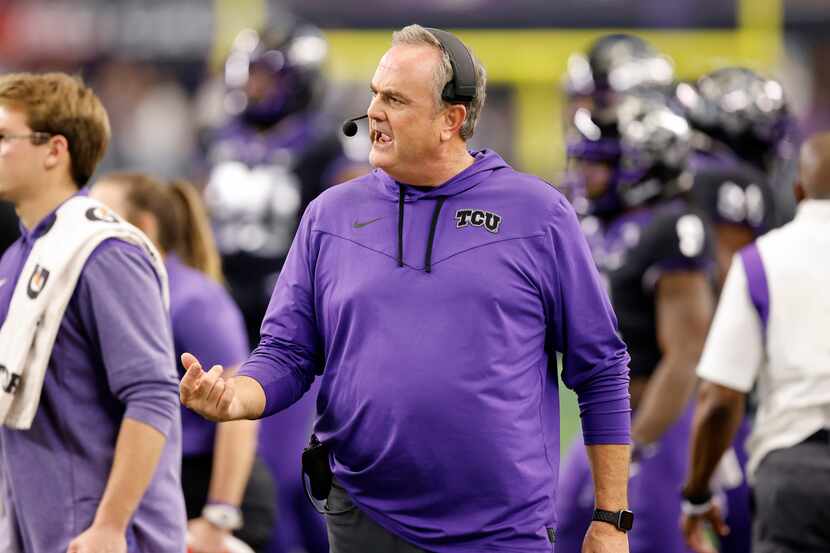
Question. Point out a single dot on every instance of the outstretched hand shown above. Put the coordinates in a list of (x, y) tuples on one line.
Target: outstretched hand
[(207, 393), (693, 527)]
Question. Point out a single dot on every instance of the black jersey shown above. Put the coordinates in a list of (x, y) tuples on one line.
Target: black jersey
[(632, 251), (259, 185)]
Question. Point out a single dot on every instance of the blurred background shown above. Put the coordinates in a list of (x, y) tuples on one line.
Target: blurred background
[(159, 65)]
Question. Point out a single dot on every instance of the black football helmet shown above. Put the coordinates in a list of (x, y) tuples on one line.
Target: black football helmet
[(644, 141), (617, 64), (738, 107)]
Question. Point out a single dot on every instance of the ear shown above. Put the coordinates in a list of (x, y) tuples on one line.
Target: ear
[(800, 193), (57, 152), (452, 119)]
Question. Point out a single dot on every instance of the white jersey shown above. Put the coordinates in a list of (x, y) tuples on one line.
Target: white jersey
[(772, 327)]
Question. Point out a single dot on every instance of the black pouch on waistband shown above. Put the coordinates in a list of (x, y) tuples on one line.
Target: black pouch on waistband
[(316, 468)]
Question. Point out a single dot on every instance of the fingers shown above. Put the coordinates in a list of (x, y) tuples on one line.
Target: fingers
[(191, 381), (212, 385), (188, 359), (717, 522), (693, 532), (199, 390), (225, 400)]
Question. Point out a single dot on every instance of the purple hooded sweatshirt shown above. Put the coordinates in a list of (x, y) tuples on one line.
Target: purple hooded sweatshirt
[(435, 316)]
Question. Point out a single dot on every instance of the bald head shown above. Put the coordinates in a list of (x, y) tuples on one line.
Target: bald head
[(814, 166)]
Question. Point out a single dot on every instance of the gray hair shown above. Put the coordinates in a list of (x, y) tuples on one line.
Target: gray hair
[(415, 35)]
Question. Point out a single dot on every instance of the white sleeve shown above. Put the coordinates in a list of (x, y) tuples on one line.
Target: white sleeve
[(734, 348)]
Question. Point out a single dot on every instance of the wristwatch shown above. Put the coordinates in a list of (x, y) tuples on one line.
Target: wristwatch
[(623, 520), (696, 504), (223, 516)]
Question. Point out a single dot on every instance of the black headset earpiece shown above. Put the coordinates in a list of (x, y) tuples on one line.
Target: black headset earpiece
[(462, 88)]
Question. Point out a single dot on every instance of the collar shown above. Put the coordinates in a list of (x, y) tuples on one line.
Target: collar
[(45, 224), (814, 211)]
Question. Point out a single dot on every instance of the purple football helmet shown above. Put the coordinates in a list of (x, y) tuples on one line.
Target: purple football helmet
[(644, 143), (273, 73)]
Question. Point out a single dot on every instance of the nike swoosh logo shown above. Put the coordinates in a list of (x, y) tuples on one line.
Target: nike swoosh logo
[(365, 223)]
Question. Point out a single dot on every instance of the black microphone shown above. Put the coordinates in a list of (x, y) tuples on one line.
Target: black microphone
[(350, 126)]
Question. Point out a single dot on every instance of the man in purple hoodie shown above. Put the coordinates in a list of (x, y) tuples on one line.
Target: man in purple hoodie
[(436, 296)]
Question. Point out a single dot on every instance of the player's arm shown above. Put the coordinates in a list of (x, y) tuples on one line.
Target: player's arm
[(137, 452), (718, 416), (728, 367), (121, 307), (684, 307)]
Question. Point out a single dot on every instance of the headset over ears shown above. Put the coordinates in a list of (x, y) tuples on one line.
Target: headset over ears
[(462, 88)]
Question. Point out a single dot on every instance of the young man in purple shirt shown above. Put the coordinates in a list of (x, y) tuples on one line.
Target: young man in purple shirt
[(98, 469), (435, 296)]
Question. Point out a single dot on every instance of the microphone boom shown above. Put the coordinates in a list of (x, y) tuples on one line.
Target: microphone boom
[(349, 127)]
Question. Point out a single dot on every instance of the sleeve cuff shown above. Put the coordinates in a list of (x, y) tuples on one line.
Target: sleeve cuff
[(155, 416), (281, 390)]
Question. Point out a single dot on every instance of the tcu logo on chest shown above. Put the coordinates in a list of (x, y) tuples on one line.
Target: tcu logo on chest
[(478, 218)]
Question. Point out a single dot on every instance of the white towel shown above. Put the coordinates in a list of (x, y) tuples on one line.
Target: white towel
[(43, 291)]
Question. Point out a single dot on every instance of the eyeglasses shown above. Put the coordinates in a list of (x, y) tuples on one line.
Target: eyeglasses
[(37, 138)]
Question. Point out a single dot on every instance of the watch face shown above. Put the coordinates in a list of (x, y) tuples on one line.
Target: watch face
[(626, 520)]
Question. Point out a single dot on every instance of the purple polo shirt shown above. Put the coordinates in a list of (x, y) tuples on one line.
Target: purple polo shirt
[(208, 324), (113, 358), (435, 317)]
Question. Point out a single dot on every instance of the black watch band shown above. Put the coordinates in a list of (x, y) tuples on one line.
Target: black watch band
[(623, 520)]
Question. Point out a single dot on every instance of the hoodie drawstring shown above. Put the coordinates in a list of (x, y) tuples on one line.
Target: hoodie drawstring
[(438, 205), (400, 226)]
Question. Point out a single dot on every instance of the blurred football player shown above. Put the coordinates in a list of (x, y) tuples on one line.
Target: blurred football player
[(613, 66), (741, 119), (656, 254), (276, 153)]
